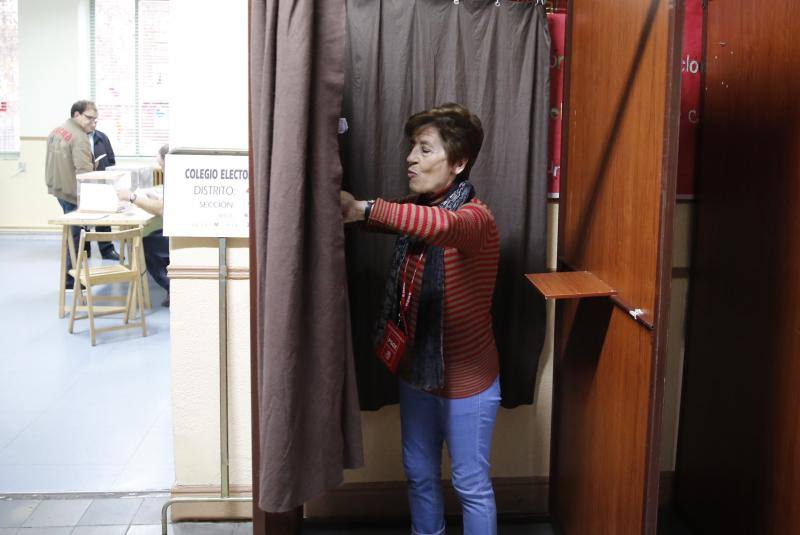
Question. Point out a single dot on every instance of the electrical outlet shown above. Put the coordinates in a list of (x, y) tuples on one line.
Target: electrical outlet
[(22, 167)]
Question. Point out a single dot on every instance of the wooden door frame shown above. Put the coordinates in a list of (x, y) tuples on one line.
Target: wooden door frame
[(669, 183)]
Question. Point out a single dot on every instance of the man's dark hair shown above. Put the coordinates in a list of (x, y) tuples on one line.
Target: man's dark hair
[(461, 132), (81, 106)]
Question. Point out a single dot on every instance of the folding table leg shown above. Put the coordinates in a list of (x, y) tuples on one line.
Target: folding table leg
[(62, 279)]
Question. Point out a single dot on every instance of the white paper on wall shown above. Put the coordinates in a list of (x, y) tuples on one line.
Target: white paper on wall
[(206, 196)]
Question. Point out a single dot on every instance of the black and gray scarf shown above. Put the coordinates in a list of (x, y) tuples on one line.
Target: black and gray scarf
[(427, 372)]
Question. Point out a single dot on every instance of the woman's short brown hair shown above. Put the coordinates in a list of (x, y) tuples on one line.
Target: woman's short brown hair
[(460, 130)]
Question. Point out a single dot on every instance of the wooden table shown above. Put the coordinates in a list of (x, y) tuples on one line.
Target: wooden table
[(131, 218)]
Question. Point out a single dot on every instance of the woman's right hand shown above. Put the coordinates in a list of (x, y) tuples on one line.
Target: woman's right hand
[(352, 210)]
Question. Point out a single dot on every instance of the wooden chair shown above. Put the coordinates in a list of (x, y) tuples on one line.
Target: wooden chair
[(127, 270)]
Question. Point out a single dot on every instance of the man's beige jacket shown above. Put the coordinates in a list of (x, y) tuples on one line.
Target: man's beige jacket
[(68, 154)]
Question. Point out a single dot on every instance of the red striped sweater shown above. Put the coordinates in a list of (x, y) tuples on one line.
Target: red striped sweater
[(471, 251)]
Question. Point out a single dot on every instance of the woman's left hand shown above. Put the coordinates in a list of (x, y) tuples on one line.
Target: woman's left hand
[(352, 210)]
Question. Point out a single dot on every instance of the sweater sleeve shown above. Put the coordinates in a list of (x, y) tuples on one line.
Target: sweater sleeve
[(466, 229)]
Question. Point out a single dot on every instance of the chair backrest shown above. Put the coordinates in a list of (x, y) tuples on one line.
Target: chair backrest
[(129, 240)]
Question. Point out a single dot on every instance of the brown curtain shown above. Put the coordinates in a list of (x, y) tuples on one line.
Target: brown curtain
[(307, 401), (407, 55)]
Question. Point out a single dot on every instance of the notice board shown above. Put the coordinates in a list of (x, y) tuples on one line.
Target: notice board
[(206, 196)]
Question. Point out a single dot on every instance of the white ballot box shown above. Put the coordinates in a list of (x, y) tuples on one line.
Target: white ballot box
[(141, 175), (97, 190)]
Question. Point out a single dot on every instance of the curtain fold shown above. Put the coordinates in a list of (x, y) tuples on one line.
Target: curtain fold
[(404, 56), (308, 405)]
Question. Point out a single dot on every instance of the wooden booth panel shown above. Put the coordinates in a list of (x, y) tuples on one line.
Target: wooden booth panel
[(738, 467), (611, 215), (616, 209), (603, 411)]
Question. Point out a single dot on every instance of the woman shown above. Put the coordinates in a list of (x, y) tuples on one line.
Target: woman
[(439, 293)]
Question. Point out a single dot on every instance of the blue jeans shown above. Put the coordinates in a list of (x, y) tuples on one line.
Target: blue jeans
[(156, 256), (75, 231), (466, 424)]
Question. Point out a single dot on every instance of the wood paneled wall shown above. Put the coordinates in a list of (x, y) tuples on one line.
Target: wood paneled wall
[(616, 217), (738, 467)]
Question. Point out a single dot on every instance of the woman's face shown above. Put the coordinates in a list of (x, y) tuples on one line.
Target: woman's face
[(428, 170)]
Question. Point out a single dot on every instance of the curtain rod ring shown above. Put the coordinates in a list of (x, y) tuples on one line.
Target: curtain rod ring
[(455, 2), (497, 3)]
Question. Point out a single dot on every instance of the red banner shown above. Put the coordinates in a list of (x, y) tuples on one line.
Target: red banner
[(557, 24), (690, 96)]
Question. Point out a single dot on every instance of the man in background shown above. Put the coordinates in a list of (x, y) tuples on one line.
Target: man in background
[(103, 157), (69, 154)]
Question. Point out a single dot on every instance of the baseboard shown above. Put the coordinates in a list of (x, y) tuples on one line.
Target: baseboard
[(38, 231), (387, 500), (207, 511)]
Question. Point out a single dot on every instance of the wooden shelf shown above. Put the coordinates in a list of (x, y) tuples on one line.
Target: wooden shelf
[(570, 285)]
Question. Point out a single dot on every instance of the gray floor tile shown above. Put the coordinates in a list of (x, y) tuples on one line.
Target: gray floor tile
[(36, 478), (110, 511), (44, 531), (57, 513), (13, 422), (8, 531), (147, 529), (72, 441), (99, 530), (204, 528), (150, 511), (13, 513)]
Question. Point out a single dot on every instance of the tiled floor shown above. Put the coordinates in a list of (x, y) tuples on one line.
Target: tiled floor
[(77, 418), (141, 515), (106, 515)]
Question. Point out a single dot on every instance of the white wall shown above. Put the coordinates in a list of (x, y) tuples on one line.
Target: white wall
[(208, 74), (54, 73), (54, 61), (194, 333)]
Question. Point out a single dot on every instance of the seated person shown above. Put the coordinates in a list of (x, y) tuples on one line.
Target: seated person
[(156, 245)]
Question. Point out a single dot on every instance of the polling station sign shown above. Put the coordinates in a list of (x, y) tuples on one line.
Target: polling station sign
[(206, 196)]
